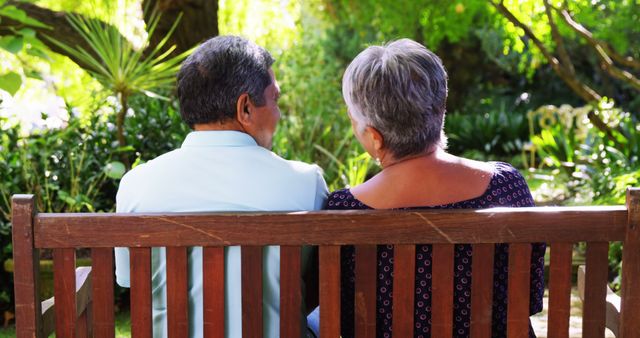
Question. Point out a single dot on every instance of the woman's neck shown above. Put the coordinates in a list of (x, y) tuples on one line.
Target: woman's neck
[(390, 161)]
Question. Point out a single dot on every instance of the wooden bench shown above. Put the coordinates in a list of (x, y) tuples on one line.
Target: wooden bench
[(92, 313)]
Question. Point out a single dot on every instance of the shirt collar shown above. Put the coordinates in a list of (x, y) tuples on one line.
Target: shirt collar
[(218, 138)]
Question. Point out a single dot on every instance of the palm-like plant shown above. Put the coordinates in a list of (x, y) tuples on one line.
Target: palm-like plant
[(120, 67)]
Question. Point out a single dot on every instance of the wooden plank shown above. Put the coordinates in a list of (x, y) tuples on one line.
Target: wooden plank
[(290, 292), (141, 317), (482, 290), (26, 274), (630, 316), (442, 290), (251, 291), (177, 292), (365, 291), (518, 290), (404, 267), (329, 258), (524, 225), (213, 291), (82, 327), (103, 293), (64, 291), (613, 304), (559, 290), (83, 301), (595, 290)]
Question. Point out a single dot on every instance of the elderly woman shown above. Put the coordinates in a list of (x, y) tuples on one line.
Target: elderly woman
[(396, 96)]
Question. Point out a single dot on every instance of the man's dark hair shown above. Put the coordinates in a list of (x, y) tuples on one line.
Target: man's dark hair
[(217, 73)]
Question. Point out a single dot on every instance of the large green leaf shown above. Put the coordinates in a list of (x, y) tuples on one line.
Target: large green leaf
[(10, 82), (115, 170), (13, 44), (19, 15)]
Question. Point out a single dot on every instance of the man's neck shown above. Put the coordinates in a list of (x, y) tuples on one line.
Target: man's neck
[(217, 126)]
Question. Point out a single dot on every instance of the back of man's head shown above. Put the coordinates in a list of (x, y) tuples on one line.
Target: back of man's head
[(216, 74)]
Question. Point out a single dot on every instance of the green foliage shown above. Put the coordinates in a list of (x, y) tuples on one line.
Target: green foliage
[(10, 82), (495, 135), (587, 163), (19, 39), (119, 66)]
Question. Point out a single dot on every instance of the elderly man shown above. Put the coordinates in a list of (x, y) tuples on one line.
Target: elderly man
[(229, 96)]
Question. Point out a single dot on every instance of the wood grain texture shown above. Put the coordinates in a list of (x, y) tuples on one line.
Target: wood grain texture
[(82, 325), (290, 292), (213, 291), (630, 316), (559, 290), (329, 258), (404, 269), (26, 274), (518, 290), (333, 227), (595, 290), (251, 258), (442, 290), (482, 290), (83, 276), (365, 291), (141, 318), (64, 291), (177, 292), (103, 293)]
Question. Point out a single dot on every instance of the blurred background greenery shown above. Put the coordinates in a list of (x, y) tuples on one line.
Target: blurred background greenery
[(87, 90)]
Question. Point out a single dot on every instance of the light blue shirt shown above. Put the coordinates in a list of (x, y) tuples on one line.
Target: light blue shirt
[(218, 171)]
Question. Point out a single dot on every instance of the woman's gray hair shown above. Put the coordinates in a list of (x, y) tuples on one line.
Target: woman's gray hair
[(400, 89)]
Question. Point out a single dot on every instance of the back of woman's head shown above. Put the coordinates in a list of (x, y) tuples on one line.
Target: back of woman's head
[(401, 90)]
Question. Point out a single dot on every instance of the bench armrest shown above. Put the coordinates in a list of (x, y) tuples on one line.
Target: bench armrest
[(613, 303), (83, 300)]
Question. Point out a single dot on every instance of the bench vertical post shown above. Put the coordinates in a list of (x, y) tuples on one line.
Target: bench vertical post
[(27, 268), (630, 316), (329, 256)]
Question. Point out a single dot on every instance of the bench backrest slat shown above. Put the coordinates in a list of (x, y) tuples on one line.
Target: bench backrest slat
[(482, 290), (559, 290), (291, 300), (442, 290), (574, 224), (595, 289), (404, 266), (140, 281), (365, 290), (329, 285), (177, 292), (251, 271), (213, 291), (518, 288), (64, 291), (103, 293)]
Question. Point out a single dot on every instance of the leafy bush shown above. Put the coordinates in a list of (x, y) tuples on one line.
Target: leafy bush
[(496, 135), (593, 167)]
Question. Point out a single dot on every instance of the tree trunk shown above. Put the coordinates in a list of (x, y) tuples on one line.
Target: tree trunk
[(199, 22), (122, 142)]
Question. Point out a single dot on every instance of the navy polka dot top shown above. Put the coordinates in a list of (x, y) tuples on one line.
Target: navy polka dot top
[(506, 189)]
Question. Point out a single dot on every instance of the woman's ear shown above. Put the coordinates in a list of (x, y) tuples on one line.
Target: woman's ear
[(242, 109), (377, 140)]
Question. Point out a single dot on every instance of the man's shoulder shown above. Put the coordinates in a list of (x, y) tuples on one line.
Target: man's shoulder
[(293, 165), (162, 162)]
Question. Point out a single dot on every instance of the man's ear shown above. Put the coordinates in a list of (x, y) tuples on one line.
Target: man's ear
[(242, 109), (376, 137)]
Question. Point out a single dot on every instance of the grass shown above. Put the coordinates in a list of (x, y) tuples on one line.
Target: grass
[(123, 327)]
